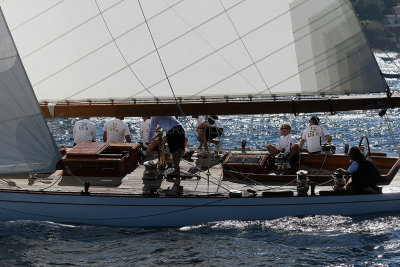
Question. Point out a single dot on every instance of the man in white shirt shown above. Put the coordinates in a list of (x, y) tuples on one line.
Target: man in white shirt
[(286, 144), (315, 135), (115, 131), (208, 128), (175, 138), (84, 131)]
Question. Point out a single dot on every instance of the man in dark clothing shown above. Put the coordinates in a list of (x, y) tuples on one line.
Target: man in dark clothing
[(364, 174)]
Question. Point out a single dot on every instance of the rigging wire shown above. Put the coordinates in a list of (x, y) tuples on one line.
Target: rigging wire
[(279, 15), (119, 50), (246, 48), (161, 62), (165, 72), (194, 29), (391, 59), (64, 34), (163, 67), (157, 14), (392, 135)]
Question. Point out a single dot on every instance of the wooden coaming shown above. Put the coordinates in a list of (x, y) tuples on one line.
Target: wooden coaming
[(323, 166)]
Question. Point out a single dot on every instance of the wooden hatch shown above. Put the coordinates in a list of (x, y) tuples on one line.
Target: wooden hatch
[(234, 165), (101, 159)]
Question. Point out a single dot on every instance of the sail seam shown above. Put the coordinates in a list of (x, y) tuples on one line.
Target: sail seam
[(66, 33), (149, 53), (37, 15)]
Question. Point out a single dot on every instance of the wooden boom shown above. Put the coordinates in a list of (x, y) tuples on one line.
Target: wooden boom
[(222, 107)]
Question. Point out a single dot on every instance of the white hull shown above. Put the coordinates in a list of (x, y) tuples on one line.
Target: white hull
[(179, 211)]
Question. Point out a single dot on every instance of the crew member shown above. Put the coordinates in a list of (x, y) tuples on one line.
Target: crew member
[(315, 136)]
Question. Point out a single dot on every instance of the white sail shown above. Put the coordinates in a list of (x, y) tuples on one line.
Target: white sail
[(103, 51), (26, 144)]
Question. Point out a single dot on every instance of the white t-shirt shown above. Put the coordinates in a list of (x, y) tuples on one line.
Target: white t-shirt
[(84, 131), (116, 131), (165, 122), (314, 136), (144, 132), (286, 142), (218, 124), (201, 119)]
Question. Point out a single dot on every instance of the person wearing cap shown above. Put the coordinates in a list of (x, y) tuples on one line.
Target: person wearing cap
[(315, 135), (286, 144)]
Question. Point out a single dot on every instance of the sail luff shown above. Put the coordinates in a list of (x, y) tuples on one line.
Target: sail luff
[(26, 145)]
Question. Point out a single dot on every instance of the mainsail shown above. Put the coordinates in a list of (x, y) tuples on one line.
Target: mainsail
[(125, 51), (26, 144)]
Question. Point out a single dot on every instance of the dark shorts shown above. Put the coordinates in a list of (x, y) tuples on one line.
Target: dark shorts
[(176, 139), (212, 132)]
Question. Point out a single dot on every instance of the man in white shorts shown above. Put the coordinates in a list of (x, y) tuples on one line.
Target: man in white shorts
[(84, 131), (116, 131), (315, 136)]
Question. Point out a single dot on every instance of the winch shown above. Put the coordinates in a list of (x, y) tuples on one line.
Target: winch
[(302, 183), (151, 172), (328, 148), (338, 180)]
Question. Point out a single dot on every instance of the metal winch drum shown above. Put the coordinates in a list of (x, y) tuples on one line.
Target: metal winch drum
[(302, 183)]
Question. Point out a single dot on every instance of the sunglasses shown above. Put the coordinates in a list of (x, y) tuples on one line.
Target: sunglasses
[(283, 128)]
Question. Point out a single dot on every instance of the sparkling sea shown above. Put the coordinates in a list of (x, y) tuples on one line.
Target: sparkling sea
[(368, 240)]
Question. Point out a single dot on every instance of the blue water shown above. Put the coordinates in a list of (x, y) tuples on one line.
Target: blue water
[(318, 240), (313, 240)]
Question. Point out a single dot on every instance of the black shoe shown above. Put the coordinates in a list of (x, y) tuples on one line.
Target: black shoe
[(174, 174), (142, 154)]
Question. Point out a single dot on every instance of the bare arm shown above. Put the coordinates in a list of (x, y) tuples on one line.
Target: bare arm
[(94, 135), (128, 139), (328, 138), (104, 136)]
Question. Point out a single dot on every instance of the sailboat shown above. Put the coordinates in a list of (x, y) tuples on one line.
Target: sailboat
[(134, 58)]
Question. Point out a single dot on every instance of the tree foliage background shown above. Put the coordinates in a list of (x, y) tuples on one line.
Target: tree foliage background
[(371, 14)]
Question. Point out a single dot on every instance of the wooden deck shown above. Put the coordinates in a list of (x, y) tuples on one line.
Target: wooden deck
[(210, 181)]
